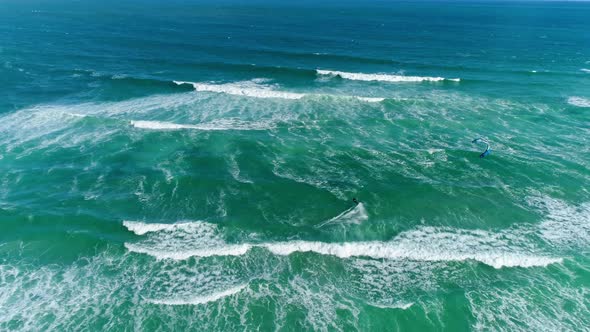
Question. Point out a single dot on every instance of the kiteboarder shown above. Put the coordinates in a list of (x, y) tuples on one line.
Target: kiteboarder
[(488, 149)]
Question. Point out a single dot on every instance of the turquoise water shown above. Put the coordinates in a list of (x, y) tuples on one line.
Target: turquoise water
[(191, 166)]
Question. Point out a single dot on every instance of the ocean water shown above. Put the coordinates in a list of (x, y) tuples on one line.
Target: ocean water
[(190, 165)]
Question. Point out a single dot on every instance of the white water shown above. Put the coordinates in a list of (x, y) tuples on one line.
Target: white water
[(579, 101), (382, 77), (248, 89), (412, 251), (255, 89), (203, 299), (217, 125), (424, 244)]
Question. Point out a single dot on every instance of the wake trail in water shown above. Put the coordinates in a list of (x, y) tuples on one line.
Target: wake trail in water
[(354, 215), (247, 89)]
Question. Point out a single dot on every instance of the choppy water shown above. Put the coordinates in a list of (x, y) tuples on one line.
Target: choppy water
[(191, 165)]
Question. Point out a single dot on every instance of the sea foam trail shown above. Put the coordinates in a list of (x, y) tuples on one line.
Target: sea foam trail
[(201, 299), (383, 77), (212, 126), (585, 70), (200, 239), (579, 101)]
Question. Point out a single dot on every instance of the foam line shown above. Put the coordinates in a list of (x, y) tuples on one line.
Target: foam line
[(402, 306), (370, 99), (376, 250), (248, 89), (200, 239), (213, 126), (389, 250), (200, 299), (226, 250), (256, 90), (383, 77)]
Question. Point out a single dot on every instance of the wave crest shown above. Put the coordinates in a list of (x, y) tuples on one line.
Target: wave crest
[(578, 101), (382, 77), (201, 239), (247, 89)]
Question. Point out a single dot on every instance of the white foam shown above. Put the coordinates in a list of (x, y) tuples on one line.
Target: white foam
[(393, 250), (370, 99), (402, 306), (182, 254), (255, 88), (213, 126), (181, 241), (541, 302), (563, 225), (585, 70), (321, 304), (354, 215), (201, 299), (247, 89), (200, 239), (383, 77), (70, 293), (141, 228), (579, 101)]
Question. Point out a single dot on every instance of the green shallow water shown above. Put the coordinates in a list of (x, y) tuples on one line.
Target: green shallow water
[(132, 201)]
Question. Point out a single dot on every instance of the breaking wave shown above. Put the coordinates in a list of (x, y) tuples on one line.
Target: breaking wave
[(383, 77), (255, 89), (411, 251), (579, 101), (201, 239), (212, 126), (141, 228), (247, 89)]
